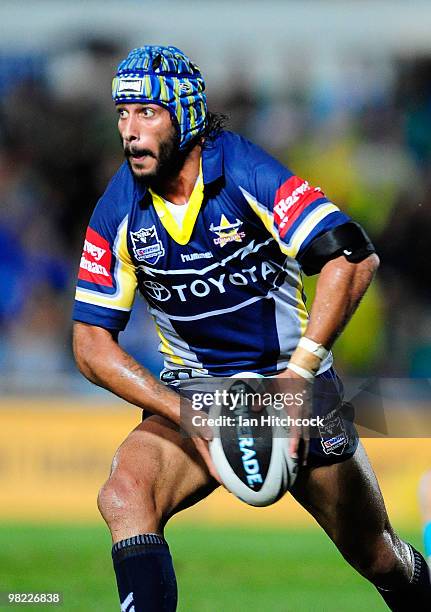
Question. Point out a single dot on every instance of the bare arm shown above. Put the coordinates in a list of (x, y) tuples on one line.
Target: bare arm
[(340, 288), (106, 364)]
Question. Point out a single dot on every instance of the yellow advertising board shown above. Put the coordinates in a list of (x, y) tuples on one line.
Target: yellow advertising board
[(56, 453)]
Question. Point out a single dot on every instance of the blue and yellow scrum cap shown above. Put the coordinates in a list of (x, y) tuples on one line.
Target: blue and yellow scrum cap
[(165, 76)]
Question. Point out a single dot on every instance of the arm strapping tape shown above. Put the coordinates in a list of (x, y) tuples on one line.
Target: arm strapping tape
[(313, 347)]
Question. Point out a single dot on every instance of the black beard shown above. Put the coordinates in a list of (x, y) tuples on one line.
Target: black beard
[(170, 161)]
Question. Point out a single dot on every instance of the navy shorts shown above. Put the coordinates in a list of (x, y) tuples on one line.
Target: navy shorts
[(334, 441), (337, 440)]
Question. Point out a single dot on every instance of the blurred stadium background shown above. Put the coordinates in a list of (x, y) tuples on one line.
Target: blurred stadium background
[(341, 92)]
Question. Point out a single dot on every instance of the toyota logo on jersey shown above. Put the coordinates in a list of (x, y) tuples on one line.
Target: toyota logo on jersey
[(157, 291), (218, 289)]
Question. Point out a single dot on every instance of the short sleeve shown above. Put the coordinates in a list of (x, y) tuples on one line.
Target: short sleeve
[(292, 210), (106, 285)]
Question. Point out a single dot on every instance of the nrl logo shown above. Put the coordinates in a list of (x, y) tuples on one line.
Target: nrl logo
[(333, 434), (227, 232), (147, 246)]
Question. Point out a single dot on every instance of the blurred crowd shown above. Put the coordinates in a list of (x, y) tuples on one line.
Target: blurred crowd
[(366, 141)]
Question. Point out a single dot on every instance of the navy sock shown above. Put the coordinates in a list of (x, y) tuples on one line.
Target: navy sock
[(415, 596), (145, 574)]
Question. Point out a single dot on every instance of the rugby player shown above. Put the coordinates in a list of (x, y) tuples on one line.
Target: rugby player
[(214, 233)]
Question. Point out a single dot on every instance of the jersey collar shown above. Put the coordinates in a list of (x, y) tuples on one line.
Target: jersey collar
[(211, 169), (181, 235)]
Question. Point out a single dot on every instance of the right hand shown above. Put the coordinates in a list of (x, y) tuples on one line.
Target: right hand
[(299, 439)]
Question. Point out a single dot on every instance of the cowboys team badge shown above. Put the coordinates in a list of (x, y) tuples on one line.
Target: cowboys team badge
[(227, 231), (147, 246)]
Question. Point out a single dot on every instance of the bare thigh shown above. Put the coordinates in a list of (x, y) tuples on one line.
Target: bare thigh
[(155, 473), (345, 499)]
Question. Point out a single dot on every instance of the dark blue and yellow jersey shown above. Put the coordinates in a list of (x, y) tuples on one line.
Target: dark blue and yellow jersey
[(225, 289)]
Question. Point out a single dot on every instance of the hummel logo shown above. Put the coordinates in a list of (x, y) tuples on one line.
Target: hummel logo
[(193, 256)]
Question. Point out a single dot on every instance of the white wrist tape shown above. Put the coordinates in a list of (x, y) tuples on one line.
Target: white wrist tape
[(301, 371), (313, 347)]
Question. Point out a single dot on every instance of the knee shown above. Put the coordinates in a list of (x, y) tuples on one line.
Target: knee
[(123, 498)]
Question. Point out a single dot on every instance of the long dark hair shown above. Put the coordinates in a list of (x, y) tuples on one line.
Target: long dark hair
[(215, 123)]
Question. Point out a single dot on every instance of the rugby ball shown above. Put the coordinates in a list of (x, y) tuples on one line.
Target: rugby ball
[(250, 449)]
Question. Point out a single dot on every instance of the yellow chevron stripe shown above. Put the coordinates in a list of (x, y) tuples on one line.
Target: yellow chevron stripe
[(181, 235), (301, 307), (97, 299), (268, 221), (166, 348), (309, 224), (291, 249)]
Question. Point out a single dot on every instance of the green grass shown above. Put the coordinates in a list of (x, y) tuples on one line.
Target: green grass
[(218, 569)]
